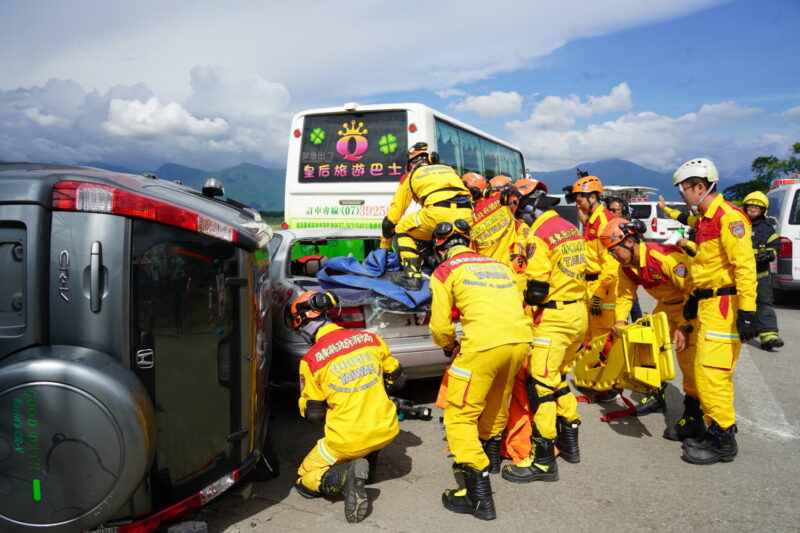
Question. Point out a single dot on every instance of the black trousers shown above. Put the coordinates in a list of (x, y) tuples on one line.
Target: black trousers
[(765, 307)]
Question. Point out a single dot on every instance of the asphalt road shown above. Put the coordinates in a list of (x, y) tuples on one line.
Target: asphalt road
[(629, 479)]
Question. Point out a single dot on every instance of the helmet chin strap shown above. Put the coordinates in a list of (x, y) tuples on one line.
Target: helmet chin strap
[(695, 209)]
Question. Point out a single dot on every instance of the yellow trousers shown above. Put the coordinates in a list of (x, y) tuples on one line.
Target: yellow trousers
[(686, 357), (599, 324), (419, 225), (718, 347), (477, 399), (322, 457), (558, 333)]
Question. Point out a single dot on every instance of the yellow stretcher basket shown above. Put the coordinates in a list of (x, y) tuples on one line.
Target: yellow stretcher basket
[(640, 357)]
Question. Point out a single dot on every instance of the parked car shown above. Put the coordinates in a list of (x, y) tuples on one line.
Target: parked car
[(297, 256), (134, 348), (659, 226), (784, 206)]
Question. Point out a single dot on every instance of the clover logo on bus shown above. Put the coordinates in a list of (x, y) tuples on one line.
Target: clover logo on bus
[(317, 135), (354, 133), (387, 144)]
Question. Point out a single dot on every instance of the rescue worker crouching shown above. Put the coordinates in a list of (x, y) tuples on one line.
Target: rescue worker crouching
[(724, 272), (555, 276), (495, 342), (343, 382), (442, 197), (766, 245), (664, 272)]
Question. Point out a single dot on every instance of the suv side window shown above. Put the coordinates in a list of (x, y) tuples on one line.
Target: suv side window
[(775, 204), (641, 211), (794, 212), (184, 312)]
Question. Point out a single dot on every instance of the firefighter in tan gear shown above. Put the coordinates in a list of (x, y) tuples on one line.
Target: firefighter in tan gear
[(555, 289), (491, 352), (724, 272), (343, 382), (601, 268), (664, 272), (442, 197)]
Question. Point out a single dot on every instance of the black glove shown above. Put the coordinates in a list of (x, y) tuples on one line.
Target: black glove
[(747, 324), (453, 351), (767, 256), (596, 305), (316, 411), (690, 308), (395, 380)]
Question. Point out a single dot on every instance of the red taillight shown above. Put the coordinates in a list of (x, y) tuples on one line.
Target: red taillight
[(785, 251), (412, 128), (284, 225), (654, 224), (96, 198), (297, 133), (186, 505), (349, 317)]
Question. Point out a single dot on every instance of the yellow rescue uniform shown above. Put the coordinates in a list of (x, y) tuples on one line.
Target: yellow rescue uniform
[(494, 233), (664, 273), (558, 257), (601, 274), (724, 264), (345, 369), (443, 197), (495, 342)]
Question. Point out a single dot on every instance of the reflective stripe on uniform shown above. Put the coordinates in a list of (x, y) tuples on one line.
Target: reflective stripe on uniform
[(540, 341), (609, 306), (722, 336), (760, 275), (325, 453), (466, 374)]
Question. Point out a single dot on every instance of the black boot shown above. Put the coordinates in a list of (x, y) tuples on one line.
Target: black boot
[(567, 440), (719, 446), (606, 396), (476, 499), (654, 402), (540, 465), (372, 459), (305, 492), (491, 447), (691, 425), (348, 479), (412, 274)]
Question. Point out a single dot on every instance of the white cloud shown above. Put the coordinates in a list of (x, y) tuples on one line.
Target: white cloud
[(444, 94), (492, 105), (792, 114), (131, 118), (216, 91), (43, 119), (649, 139)]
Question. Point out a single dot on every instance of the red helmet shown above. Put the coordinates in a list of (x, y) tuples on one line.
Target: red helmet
[(616, 231), (308, 306), (473, 180), (526, 186)]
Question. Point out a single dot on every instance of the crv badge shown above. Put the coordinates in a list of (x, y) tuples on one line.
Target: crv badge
[(63, 275)]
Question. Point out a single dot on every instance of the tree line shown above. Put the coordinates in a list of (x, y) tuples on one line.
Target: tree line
[(765, 169)]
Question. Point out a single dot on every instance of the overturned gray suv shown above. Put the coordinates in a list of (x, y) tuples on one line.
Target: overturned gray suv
[(134, 348)]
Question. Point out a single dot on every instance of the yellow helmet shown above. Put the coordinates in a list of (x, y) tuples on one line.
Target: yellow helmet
[(756, 198)]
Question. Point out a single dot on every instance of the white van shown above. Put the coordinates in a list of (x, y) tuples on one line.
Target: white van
[(784, 206), (660, 226)]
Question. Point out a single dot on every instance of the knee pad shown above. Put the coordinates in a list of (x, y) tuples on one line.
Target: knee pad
[(533, 396)]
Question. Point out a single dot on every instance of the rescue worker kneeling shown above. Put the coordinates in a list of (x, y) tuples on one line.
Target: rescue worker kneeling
[(443, 197), (555, 274), (342, 380), (495, 342)]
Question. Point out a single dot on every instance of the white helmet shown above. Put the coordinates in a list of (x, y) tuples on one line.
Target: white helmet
[(696, 168)]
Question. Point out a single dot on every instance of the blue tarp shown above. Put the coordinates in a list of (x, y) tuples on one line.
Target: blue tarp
[(372, 274)]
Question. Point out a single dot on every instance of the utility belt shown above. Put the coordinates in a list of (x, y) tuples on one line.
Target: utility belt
[(455, 202), (555, 305), (702, 294), (592, 277)]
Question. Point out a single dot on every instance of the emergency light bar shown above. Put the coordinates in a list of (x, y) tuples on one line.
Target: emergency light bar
[(785, 181)]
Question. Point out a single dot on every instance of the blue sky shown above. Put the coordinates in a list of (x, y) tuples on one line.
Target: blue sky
[(211, 84)]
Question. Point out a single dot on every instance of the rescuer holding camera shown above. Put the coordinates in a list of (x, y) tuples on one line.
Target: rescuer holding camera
[(724, 272), (344, 378), (492, 351), (442, 197)]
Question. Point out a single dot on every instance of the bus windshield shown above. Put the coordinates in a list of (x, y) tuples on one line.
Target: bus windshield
[(353, 147)]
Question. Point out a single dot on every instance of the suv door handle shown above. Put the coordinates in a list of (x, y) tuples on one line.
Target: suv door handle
[(95, 273)]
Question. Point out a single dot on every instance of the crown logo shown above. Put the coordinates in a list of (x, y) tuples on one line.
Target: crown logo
[(352, 129)]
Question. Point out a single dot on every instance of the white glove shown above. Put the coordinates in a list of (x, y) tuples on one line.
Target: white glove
[(675, 237)]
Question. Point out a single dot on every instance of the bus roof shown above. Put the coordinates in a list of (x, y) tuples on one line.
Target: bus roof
[(416, 107)]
